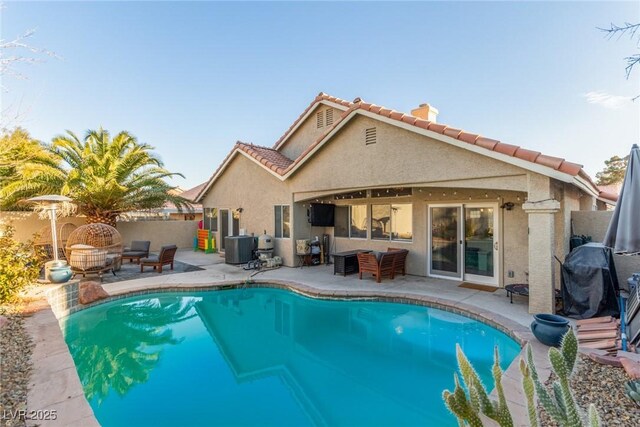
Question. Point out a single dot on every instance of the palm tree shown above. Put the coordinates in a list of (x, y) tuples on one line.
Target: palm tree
[(104, 176)]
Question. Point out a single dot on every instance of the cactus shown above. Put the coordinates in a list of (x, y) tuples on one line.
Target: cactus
[(559, 404), (632, 389), (468, 409)]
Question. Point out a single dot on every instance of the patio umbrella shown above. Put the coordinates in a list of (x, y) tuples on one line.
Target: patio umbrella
[(623, 234)]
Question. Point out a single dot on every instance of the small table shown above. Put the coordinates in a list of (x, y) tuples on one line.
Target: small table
[(346, 262), (522, 289)]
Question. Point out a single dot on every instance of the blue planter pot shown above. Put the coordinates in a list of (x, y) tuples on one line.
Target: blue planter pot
[(60, 274), (549, 328)]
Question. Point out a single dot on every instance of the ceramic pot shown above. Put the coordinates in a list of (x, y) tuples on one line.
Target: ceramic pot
[(60, 274), (549, 328)]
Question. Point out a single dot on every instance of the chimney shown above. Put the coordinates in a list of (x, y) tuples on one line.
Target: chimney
[(426, 112)]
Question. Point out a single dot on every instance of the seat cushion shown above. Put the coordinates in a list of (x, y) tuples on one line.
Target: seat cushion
[(153, 258), (134, 253)]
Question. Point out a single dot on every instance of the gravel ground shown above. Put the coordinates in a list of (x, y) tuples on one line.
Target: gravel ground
[(604, 386), (15, 367)]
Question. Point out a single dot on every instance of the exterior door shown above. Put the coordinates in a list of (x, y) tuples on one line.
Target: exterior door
[(229, 225), (481, 243), (445, 253), (224, 226), (464, 242)]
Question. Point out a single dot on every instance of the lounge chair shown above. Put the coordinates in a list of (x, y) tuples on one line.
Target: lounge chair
[(401, 260), (139, 249), (368, 263), (166, 255)]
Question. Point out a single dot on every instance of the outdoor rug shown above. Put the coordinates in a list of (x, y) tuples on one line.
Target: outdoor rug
[(130, 271), (477, 287)]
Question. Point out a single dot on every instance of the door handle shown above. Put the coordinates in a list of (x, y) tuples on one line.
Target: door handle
[(495, 246)]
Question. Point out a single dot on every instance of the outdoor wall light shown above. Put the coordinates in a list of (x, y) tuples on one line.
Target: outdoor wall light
[(239, 210), (508, 205)]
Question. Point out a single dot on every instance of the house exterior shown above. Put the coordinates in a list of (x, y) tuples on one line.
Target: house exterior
[(468, 208)]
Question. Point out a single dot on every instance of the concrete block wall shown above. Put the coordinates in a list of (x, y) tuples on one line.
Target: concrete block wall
[(595, 224)]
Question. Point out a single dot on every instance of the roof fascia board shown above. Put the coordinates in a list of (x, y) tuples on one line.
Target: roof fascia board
[(306, 116)]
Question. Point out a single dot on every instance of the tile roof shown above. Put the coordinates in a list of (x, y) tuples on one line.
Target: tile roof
[(191, 193), (471, 138), (269, 157), (280, 164), (320, 97)]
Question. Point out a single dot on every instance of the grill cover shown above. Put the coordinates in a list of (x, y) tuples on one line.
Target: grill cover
[(589, 283)]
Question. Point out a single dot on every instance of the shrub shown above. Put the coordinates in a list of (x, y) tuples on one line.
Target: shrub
[(19, 265)]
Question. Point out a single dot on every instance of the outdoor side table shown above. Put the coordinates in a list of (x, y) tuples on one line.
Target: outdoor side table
[(346, 262), (522, 289)]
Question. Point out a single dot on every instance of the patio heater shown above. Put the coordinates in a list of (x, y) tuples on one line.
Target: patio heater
[(50, 203)]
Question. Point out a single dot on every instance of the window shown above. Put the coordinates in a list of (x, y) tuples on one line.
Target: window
[(341, 222), (210, 219), (402, 222), (392, 222), (351, 221), (391, 192), (358, 217), (282, 221), (319, 119)]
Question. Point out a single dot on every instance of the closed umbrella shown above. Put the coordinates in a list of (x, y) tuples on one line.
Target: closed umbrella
[(623, 234)]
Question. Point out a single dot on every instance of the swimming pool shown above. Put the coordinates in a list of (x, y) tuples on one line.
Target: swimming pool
[(272, 357)]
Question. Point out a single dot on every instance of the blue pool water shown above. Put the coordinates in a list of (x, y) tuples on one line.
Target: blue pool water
[(272, 357)]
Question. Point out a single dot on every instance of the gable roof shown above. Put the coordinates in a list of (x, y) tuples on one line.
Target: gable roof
[(282, 167), (321, 98)]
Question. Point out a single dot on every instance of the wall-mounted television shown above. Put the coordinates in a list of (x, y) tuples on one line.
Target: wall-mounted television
[(322, 214)]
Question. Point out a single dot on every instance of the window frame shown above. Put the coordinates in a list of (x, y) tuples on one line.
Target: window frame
[(390, 238), (281, 226)]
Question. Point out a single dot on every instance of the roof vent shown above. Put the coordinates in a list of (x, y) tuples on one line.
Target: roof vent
[(426, 112), (319, 119), (370, 136), (329, 117)]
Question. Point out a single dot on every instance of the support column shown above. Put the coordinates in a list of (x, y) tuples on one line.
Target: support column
[(541, 252)]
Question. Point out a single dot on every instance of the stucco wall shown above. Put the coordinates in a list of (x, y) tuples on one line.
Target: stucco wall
[(27, 223), (246, 185), (399, 157), (595, 224), (179, 233), (308, 132)]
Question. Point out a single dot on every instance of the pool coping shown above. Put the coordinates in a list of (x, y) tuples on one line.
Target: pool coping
[(55, 374)]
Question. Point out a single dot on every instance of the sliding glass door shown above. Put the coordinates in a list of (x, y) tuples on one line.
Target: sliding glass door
[(463, 242), (445, 241)]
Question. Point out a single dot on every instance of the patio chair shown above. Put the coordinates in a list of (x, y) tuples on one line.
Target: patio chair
[(166, 255), (86, 259), (400, 261), (139, 249), (368, 263)]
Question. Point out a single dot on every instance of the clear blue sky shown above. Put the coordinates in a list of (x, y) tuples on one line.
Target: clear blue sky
[(192, 78)]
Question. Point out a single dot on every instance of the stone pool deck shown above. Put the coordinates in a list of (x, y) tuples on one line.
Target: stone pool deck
[(55, 383)]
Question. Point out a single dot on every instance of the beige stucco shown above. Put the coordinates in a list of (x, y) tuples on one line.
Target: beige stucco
[(307, 132), (400, 157), (529, 235), (246, 185)]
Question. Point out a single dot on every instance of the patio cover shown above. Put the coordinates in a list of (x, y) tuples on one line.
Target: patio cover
[(623, 234)]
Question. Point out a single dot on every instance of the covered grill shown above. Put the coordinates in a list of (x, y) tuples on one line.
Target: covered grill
[(589, 283)]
